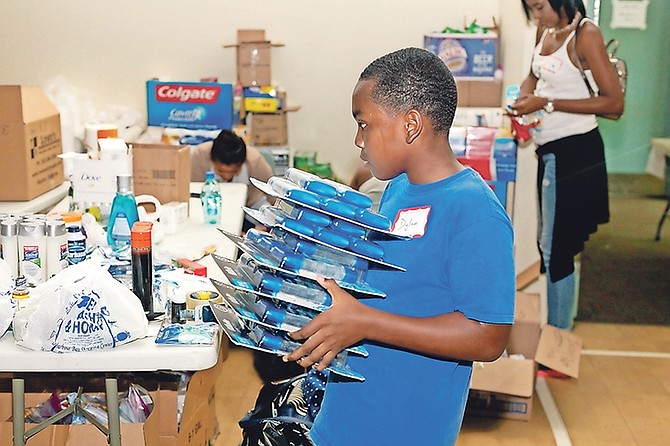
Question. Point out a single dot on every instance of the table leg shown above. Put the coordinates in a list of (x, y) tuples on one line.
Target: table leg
[(112, 393), (18, 411), (660, 223)]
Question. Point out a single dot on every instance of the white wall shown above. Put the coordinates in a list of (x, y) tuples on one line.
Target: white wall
[(108, 49)]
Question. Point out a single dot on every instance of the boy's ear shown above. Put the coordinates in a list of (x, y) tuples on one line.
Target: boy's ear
[(413, 125)]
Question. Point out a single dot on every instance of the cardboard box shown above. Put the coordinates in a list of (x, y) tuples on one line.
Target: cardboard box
[(253, 57), (30, 142), (479, 93), (504, 388), (190, 105), (466, 55), (198, 425), (267, 129), (163, 171)]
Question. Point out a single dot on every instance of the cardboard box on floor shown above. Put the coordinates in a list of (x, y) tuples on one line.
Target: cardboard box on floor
[(30, 142), (253, 57), (162, 170), (198, 426), (504, 388)]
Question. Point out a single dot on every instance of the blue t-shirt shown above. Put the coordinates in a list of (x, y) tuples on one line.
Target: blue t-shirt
[(461, 259)]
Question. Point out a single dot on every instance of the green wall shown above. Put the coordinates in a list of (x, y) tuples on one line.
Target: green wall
[(647, 113)]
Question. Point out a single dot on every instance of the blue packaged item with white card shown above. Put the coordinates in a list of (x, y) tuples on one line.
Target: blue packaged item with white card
[(372, 219), (332, 237), (279, 217), (310, 182), (325, 252), (339, 208), (304, 214), (348, 228), (286, 188), (367, 248)]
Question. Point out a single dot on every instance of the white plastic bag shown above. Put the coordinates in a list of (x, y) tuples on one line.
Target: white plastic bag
[(82, 308), (7, 305)]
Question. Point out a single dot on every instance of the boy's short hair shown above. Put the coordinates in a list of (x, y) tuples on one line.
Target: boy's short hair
[(228, 148), (414, 78)]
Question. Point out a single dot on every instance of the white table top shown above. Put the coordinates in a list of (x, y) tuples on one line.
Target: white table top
[(38, 204), (141, 355), (144, 354)]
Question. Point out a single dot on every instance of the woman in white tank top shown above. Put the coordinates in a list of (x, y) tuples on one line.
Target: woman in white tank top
[(572, 177)]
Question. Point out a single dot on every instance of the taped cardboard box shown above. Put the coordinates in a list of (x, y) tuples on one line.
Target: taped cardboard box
[(198, 426), (30, 142), (504, 388), (162, 170), (479, 93), (253, 55)]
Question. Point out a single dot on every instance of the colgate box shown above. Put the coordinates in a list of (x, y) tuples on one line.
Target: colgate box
[(190, 105)]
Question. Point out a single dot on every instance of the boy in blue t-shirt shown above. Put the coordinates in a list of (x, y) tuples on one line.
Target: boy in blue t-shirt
[(454, 304)]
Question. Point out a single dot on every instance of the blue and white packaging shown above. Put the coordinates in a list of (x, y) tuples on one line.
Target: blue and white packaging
[(190, 105), (466, 55)]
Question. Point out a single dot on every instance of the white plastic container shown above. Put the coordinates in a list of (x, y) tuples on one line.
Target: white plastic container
[(9, 244), (32, 251), (56, 247)]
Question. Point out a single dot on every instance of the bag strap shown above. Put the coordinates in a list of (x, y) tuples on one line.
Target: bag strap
[(579, 62), (615, 46)]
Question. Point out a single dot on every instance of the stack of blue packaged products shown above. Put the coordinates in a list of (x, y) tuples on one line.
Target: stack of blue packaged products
[(318, 227)]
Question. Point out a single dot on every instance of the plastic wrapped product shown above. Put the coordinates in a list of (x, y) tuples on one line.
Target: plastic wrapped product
[(276, 316), (350, 195), (332, 237), (305, 215), (310, 182), (348, 228), (374, 220), (316, 251), (279, 217), (339, 208), (274, 342), (367, 248), (281, 287), (285, 188)]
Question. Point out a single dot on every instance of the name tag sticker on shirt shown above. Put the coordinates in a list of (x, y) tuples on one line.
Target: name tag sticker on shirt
[(411, 222)]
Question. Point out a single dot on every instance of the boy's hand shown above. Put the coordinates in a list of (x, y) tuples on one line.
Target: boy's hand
[(332, 331)]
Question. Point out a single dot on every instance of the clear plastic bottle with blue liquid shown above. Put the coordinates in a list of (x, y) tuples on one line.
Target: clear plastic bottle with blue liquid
[(123, 213), (210, 198)]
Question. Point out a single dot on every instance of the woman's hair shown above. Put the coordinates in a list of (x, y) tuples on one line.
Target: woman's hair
[(228, 148), (414, 78), (569, 6)]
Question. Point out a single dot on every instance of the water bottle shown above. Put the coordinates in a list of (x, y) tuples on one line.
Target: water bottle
[(210, 198)]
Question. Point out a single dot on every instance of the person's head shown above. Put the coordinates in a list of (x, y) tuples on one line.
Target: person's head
[(228, 154), (398, 97), (546, 12)]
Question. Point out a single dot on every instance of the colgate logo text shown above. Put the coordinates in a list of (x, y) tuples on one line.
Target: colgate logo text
[(197, 94)]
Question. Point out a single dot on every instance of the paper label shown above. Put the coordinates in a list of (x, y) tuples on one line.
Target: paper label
[(411, 222)]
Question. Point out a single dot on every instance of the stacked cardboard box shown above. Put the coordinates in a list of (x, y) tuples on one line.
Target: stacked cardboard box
[(504, 388), (30, 142), (264, 106)]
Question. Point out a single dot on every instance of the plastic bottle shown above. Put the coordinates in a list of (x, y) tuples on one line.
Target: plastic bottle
[(9, 231), (76, 240), (20, 292), (32, 251), (123, 214), (56, 247), (210, 198)]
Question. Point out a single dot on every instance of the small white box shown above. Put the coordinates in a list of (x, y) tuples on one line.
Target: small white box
[(174, 216)]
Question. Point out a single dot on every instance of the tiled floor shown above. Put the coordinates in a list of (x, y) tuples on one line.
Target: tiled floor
[(622, 395)]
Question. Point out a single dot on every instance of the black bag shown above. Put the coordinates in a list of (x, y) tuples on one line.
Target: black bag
[(280, 417)]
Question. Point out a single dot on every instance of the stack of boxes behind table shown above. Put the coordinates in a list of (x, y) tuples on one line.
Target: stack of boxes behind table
[(30, 144), (264, 107), (481, 138)]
